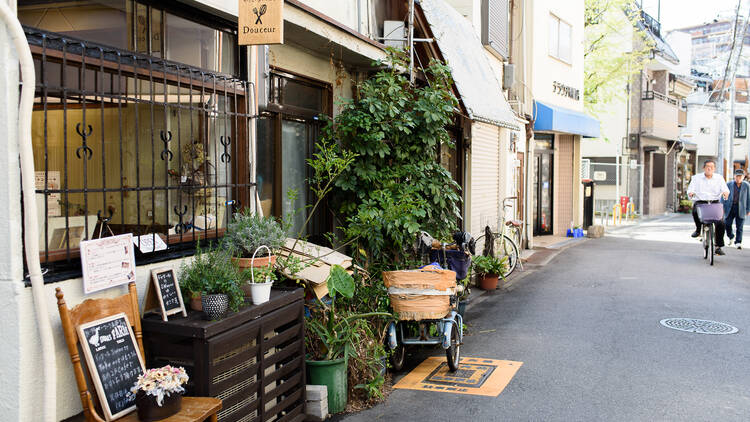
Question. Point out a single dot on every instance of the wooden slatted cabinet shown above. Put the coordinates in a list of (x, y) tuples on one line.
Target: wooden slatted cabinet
[(253, 359)]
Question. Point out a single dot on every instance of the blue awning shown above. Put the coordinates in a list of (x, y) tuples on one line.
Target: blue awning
[(558, 119)]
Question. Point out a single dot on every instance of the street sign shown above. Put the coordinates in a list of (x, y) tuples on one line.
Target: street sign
[(261, 22)]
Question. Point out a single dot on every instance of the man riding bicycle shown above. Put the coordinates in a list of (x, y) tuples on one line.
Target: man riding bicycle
[(708, 187)]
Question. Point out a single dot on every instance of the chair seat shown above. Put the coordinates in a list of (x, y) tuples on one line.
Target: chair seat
[(194, 409)]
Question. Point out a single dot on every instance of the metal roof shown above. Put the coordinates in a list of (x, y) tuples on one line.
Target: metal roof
[(480, 91)]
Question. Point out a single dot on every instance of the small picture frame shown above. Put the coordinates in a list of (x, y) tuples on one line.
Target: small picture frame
[(164, 293)]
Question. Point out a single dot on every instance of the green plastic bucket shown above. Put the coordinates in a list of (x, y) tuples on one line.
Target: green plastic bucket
[(331, 373)]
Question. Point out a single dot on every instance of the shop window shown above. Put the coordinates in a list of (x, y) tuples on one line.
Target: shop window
[(137, 27), (658, 170), (560, 39), (125, 143), (287, 133), (740, 127)]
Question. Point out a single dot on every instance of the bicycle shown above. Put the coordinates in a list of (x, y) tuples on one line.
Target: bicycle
[(709, 213), (506, 241)]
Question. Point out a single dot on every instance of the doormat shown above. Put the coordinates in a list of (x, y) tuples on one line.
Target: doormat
[(476, 376)]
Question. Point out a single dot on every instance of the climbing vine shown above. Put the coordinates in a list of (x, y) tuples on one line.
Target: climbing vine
[(396, 186)]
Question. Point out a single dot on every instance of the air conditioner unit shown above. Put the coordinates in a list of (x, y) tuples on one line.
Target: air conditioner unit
[(509, 73), (394, 34)]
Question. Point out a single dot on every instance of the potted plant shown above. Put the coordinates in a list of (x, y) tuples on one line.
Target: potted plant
[(158, 392), (261, 280), (247, 232), (463, 293), (489, 268), (330, 339), (216, 278)]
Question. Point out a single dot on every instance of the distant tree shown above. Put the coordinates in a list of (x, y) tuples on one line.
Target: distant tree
[(615, 49)]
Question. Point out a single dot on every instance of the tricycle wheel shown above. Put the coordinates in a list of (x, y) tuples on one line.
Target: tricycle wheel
[(398, 357), (453, 353)]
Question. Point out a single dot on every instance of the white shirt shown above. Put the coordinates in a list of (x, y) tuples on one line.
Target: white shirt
[(706, 189)]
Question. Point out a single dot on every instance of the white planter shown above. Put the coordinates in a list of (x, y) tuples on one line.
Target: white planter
[(261, 292)]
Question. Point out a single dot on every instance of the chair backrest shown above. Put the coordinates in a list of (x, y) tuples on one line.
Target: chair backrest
[(91, 310)]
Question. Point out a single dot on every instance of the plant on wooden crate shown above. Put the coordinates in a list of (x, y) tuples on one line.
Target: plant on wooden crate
[(247, 232), (212, 276)]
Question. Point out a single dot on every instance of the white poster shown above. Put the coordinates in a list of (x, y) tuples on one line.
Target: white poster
[(107, 262)]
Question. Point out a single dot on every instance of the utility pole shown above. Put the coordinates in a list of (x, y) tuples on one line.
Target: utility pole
[(410, 41)]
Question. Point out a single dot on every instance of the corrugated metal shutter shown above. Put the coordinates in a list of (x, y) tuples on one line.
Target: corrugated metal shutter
[(564, 184), (485, 176), (495, 26)]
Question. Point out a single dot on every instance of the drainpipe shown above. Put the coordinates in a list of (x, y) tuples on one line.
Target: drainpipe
[(31, 229)]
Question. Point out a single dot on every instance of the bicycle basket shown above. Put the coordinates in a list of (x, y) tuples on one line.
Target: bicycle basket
[(710, 213), (457, 261)]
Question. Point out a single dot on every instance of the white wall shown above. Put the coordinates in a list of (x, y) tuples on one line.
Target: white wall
[(11, 270), (547, 69), (703, 117), (471, 10), (682, 45)]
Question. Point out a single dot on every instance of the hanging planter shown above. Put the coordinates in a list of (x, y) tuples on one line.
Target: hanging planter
[(260, 288)]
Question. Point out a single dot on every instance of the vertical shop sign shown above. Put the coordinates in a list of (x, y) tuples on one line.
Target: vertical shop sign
[(261, 22)]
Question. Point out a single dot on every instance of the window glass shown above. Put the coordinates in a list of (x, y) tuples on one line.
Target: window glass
[(294, 172), (565, 41), (198, 45), (658, 170), (266, 164), (554, 25), (100, 21), (740, 127)]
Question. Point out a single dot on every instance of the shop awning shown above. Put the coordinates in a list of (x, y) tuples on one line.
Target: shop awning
[(558, 119), (480, 91)]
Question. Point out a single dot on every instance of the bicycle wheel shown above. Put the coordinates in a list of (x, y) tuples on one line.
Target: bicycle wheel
[(711, 243), (505, 247), (704, 234), (453, 353)]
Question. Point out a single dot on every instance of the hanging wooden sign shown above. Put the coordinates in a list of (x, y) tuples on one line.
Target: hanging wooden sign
[(261, 22), (114, 361), (163, 293)]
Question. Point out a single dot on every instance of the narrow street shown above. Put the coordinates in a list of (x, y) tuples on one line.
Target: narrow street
[(587, 328)]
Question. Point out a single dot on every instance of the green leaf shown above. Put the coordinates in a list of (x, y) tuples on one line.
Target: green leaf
[(340, 281)]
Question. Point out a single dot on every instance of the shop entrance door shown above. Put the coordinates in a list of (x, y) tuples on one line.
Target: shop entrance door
[(543, 188)]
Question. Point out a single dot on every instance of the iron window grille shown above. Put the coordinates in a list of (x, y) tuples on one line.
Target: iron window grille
[(130, 143)]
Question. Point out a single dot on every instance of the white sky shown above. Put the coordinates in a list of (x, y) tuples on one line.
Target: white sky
[(682, 13)]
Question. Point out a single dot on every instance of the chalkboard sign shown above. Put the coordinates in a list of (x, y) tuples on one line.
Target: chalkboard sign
[(114, 361), (164, 283)]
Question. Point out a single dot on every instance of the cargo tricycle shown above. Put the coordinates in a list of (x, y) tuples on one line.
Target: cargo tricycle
[(425, 300)]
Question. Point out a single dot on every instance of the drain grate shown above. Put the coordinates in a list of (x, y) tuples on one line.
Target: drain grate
[(700, 326)]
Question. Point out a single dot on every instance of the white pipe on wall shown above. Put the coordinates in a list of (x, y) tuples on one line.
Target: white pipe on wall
[(31, 228)]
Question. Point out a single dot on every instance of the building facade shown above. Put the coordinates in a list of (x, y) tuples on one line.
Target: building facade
[(152, 120)]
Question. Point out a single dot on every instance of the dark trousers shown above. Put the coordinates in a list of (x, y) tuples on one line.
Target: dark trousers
[(739, 220), (719, 225)]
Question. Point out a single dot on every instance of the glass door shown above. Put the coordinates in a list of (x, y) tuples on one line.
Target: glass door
[(543, 188)]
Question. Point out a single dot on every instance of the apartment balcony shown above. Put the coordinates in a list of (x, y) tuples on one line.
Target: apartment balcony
[(681, 118), (660, 116)]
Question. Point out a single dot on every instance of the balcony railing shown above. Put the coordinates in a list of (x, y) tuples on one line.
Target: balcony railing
[(651, 95)]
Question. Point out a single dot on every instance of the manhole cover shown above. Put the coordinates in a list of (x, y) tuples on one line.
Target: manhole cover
[(700, 326)]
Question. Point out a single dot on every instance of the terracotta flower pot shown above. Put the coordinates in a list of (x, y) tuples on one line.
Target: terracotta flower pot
[(488, 282), (195, 303), (260, 261), (149, 410)]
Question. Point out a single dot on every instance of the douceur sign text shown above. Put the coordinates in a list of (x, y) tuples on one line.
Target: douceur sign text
[(261, 22)]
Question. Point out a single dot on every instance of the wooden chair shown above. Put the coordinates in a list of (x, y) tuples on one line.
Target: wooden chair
[(194, 409)]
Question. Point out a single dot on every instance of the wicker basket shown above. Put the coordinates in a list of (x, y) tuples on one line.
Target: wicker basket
[(420, 294)]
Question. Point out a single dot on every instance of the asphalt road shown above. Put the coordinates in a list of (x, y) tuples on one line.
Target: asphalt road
[(586, 327)]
